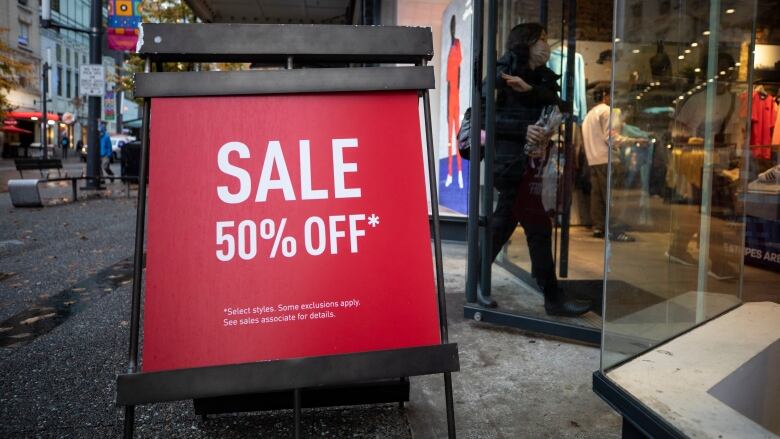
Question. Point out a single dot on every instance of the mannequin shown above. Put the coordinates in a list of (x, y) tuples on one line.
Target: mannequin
[(660, 64)]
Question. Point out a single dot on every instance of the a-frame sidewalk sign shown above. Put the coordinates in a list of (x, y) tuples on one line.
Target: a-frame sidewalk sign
[(288, 244)]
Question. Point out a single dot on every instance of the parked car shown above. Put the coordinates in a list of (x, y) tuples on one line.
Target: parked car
[(117, 142)]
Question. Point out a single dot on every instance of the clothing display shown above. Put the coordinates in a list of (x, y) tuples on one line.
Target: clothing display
[(660, 64), (776, 132), (684, 173), (763, 117), (558, 64)]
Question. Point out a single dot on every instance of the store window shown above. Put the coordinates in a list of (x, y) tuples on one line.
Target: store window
[(76, 83), (693, 167), (58, 52), (68, 84), (67, 56), (59, 80), (24, 34)]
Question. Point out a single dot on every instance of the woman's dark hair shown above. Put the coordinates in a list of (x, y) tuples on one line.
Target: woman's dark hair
[(521, 38)]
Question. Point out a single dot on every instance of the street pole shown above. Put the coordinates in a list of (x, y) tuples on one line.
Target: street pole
[(44, 115), (93, 121)]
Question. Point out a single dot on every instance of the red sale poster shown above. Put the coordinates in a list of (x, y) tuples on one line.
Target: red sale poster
[(285, 227)]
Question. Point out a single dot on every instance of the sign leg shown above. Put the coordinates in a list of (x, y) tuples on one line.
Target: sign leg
[(297, 403), (450, 406), (129, 421)]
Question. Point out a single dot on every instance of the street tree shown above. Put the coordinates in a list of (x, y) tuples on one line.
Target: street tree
[(11, 70)]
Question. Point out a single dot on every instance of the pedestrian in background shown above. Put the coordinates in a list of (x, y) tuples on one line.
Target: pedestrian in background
[(65, 144), (105, 152)]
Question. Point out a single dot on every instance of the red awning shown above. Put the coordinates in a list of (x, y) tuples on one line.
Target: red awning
[(30, 115), (13, 129)]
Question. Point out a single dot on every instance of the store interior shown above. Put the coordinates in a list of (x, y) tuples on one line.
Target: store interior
[(658, 187)]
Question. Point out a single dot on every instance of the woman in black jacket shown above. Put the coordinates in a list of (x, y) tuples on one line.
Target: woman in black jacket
[(525, 86)]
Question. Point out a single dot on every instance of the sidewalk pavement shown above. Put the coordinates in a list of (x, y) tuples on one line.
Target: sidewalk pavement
[(62, 382)]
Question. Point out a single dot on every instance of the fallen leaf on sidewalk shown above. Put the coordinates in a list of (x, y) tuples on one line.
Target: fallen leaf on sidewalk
[(32, 320)]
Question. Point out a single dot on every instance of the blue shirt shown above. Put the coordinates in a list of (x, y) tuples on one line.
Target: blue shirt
[(557, 64)]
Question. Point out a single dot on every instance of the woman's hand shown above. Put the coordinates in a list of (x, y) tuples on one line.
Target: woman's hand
[(536, 135), (516, 83)]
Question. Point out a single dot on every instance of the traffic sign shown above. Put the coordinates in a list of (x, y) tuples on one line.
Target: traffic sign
[(92, 79)]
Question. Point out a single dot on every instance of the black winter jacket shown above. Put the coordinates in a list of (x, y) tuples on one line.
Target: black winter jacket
[(514, 113)]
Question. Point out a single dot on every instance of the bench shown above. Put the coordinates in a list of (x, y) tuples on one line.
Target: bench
[(26, 193), (39, 164)]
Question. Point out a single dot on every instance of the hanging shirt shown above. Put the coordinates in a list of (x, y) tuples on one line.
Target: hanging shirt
[(557, 63), (454, 58), (776, 132), (763, 117)]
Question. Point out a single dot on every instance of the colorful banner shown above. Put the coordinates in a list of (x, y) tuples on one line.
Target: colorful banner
[(286, 227), (109, 106), (124, 19)]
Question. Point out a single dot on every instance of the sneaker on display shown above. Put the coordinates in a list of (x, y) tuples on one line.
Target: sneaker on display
[(722, 274), (448, 181), (460, 179), (681, 258)]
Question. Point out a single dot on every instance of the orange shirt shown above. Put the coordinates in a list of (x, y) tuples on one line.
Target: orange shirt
[(453, 69)]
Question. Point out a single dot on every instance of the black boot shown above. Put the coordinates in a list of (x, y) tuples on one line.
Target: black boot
[(557, 304)]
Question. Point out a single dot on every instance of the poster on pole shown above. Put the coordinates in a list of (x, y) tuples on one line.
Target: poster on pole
[(284, 226), (92, 79), (455, 98), (109, 106)]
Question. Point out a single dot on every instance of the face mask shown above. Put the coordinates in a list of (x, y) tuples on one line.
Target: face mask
[(540, 53)]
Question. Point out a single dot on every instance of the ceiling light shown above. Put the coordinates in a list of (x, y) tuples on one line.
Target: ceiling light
[(706, 32), (711, 79), (730, 11), (681, 57), (635, 51), (690, 93), (687, 50), (617, 40), (51, 122), (722, 72), (681, 97), (737, 64), (697, 70), (694, 44)]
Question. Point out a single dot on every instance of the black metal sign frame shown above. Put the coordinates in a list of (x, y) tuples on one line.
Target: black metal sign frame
[(288, 44)]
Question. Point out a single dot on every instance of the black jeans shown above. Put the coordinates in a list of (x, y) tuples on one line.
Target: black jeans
[(519, 206)]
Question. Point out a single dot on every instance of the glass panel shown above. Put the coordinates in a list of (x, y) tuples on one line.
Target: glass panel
[(528, 198), (679, 164)]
